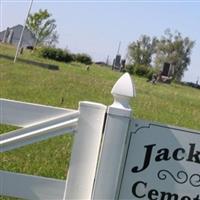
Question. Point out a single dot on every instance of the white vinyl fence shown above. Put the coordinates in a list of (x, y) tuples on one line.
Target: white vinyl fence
[(39, 122)]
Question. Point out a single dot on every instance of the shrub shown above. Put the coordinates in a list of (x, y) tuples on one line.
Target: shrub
[(142, 70), (130, 69), (68, 57), (83, 58), (150, 73), (47, 52), (60, 55), (56, 54), (73, 56), (63, 55)]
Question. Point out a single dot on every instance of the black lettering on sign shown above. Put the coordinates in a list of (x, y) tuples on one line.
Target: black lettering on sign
[(134, 189), (139, 190), (164, 154), (147, 159), (194, 156)]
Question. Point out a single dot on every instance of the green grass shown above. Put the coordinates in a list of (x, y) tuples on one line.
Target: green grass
[(8, 198), (43, 158), (169, 104)]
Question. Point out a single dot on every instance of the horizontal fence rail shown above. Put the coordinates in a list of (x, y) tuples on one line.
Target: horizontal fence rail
[(23, 114), (30, 135), (39, 123), (30, 187)]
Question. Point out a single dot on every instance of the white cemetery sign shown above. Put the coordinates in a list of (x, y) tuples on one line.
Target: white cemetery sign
[(162, 163)]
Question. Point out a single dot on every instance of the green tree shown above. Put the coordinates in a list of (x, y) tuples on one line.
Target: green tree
[(43, 27), (141, 51), (176, 50)]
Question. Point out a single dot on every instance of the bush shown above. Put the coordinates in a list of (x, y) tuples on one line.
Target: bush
[(64, 56), (47, 52), (68, 57), (142, 70), (60, 55), (56, 54), (150, 73), (73, 56), (83, 58), (130, 69)]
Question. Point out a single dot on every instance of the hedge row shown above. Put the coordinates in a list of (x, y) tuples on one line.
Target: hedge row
[(64, 56)]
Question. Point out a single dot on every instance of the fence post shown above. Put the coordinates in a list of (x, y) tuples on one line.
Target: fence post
[(114, 141), (85, 151)]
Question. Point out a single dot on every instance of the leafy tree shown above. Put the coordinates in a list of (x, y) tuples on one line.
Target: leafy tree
[(141, 51), (176, 50), (43, 27)]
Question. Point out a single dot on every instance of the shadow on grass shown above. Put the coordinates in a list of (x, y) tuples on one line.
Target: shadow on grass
[(44, 65)]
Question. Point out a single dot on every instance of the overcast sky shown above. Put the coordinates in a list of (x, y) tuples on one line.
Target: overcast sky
[(97, 27)]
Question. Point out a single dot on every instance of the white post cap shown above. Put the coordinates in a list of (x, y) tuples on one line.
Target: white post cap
[(122, 91)]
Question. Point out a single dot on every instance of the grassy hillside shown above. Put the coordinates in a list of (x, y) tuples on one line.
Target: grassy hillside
[(169, 104)]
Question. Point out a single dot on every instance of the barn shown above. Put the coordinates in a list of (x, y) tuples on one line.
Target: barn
[(12, 36)]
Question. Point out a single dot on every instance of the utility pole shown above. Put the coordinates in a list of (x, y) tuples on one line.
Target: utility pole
[(118, 48), (21, 36)]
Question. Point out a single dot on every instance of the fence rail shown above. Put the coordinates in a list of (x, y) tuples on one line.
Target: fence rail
[(39, 123), (19, 138), (31, 187), (23, 114)]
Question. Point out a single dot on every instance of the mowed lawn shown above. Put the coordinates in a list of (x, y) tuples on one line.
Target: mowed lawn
[(168, 104)]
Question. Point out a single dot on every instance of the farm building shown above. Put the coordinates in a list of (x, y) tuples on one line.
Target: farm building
[(12, 36)]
